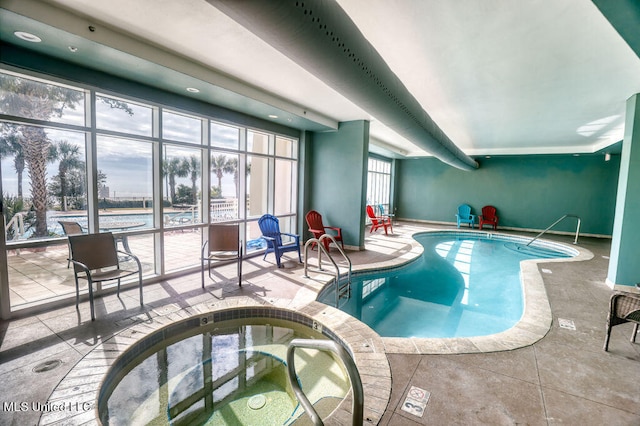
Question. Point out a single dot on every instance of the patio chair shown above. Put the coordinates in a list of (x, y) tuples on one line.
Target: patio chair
[(379, 221), (623, 307), (70, 228), (95, 259), (464, 215), (488, 217), (223, 245), (381, 210), (270, 228), (317, 228)]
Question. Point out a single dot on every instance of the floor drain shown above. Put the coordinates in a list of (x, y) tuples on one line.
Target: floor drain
[(47, 366), (256, 402)]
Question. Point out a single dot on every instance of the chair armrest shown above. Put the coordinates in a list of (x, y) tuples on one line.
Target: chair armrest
[(316, 230), (296, 237), (334, 228), (131, 255), (81, 265)]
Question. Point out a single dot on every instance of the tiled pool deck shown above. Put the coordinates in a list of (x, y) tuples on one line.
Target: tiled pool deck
[(535, 373)]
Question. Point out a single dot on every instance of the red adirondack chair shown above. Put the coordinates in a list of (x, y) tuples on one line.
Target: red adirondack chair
[(317, 228), (488, 217), (379, 221)]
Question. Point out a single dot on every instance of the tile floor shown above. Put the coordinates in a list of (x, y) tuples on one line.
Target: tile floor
[(565, 378)]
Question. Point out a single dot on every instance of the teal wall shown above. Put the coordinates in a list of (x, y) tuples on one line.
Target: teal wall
[(624, 268), (528, 191), (338, 179)]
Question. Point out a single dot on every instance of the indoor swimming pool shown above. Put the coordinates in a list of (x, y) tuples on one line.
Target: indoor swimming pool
[(464, 284)]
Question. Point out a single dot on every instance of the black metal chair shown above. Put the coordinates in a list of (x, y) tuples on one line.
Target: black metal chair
[(623, 307), (95, 259), (223, 244), (70, 228)]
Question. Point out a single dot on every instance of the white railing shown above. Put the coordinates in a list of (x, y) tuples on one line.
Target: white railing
[(225, 210), (17, 224)]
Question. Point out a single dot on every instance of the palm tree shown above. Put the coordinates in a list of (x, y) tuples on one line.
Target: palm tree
[(193, 165), (233, 165), (68, 154), (220, 165), (172, 168), (9, 145), (27, 98)]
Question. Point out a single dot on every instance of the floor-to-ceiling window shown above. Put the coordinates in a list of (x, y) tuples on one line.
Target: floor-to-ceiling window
[(152, 174), (379, 184)]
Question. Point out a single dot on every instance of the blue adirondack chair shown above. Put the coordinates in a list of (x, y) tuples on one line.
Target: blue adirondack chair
[(464, 215), (270, 228)]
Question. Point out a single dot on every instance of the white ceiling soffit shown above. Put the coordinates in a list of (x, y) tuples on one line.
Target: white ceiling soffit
[(497, 76)]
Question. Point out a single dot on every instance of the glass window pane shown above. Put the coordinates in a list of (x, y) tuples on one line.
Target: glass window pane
[(182, 249), (257, 186), (29, 98), (43, 177), (224, 186), (182, 172), (224, 136), (285, 184), (257, 142), (123, 116), (286, 147), (254, 240), (181, 127), (125, 182)]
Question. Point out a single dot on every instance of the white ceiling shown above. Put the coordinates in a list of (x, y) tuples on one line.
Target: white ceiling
[(497, 76)]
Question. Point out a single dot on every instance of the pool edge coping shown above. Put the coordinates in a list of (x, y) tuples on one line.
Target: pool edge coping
[(536, 318)]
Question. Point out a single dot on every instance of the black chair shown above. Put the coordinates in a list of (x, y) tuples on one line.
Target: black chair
[(223, 244), (70, 228), (623, 307), (95, 259)]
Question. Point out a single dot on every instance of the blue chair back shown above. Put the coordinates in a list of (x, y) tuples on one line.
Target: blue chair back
[(464, 211), (270, 227), (464, 215)]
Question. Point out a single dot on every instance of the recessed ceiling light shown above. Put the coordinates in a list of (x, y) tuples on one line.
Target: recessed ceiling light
[(73, 49), (193, 90), (273, 116), (27, 36)]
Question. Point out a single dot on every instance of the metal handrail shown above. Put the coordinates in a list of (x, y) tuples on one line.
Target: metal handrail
[(357, 405), (321, 249), (554, 224)]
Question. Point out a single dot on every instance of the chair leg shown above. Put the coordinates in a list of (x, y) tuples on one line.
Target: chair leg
[(140, 285), (118, 291), (635, 332), (240, 270), (202, 271), (607, 337), (93, 313), (77, 291)]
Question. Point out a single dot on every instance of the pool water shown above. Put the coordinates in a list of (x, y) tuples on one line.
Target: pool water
[(225, 375), (461, 286)]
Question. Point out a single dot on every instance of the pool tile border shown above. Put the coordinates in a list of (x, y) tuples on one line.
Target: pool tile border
[(536, 319)]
